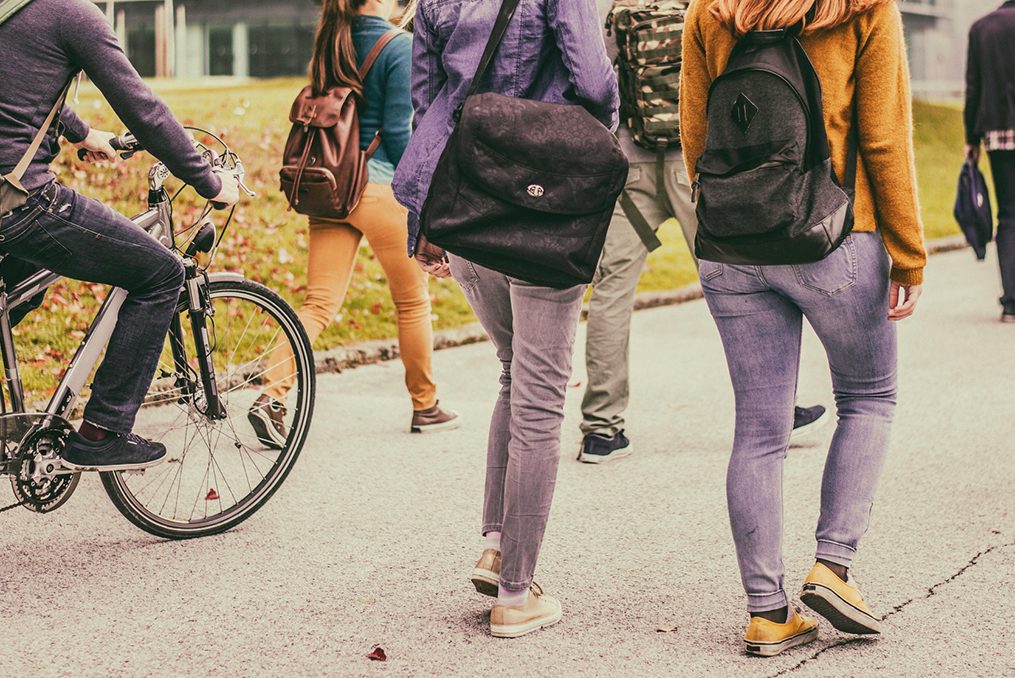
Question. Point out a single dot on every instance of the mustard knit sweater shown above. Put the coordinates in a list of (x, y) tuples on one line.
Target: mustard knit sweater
[(866, 59)]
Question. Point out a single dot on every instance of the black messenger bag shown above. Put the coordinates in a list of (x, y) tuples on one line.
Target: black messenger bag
[(523, 187)]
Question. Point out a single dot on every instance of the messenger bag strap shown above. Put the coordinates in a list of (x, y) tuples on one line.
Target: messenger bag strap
[(33, 148), (507, 10), (7, 9)]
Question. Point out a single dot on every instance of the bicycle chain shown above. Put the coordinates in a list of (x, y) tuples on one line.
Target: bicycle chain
[(8, 508)]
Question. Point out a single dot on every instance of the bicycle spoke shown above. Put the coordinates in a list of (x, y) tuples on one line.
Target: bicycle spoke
[(210, 454)]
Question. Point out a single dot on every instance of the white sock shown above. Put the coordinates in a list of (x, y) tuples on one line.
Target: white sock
[(492, 541), (508, 597)]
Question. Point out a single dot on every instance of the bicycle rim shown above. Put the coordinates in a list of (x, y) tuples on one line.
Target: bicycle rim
[(217, 472)]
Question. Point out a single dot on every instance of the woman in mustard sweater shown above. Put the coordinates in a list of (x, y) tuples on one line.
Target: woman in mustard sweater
[(850, 299)]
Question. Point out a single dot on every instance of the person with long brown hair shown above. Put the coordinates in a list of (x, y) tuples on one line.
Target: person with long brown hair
[(851, 299), (347, 31)]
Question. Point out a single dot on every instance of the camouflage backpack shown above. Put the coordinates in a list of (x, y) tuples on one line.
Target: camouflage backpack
[(648, 68)]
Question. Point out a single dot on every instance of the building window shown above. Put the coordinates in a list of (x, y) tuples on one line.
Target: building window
[(141, 50), (220, 51), (277, 51)]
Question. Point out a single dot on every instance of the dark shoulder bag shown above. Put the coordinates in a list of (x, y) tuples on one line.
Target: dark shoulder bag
[(526, 188)]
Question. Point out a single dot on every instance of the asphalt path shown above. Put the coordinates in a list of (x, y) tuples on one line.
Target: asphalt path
[(371, 541)]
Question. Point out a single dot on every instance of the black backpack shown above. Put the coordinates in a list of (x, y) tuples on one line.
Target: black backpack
[(764, 186)]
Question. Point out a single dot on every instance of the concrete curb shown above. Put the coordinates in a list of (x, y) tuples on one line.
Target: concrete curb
[(378, 350)]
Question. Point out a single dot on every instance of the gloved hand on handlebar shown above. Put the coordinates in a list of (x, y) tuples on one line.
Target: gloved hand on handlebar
[(96, 146), (230, 192)]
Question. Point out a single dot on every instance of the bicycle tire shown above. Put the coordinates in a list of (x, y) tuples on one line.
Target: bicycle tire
[(205, 454)]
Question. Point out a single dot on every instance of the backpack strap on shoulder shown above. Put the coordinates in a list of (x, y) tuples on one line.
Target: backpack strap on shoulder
[(375, 51)]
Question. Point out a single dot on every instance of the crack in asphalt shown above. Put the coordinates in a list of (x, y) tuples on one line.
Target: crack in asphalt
[(898, 608)]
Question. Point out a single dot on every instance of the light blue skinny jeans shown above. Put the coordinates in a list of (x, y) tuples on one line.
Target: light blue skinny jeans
[(533, 329), (759, 311)]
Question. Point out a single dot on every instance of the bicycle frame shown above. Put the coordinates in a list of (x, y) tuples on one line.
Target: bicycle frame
[(157, 221)]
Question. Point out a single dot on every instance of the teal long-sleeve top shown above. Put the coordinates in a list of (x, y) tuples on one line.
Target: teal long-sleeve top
[(386, 90)]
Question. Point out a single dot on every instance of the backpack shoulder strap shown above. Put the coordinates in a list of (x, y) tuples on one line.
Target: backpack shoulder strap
[(8, 8), (375, 51)]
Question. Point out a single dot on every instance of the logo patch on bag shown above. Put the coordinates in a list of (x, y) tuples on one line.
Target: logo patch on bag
[(535, 190), (743, 112)]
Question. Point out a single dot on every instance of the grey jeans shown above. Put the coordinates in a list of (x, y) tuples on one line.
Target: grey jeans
[(533, 330), (613, 288)]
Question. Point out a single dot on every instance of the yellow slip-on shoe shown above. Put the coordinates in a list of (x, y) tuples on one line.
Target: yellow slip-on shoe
[(767, 638), (486, 574), (539, 610), (838, 601)]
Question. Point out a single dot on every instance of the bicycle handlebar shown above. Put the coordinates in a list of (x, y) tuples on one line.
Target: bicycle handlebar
[(127, 144)]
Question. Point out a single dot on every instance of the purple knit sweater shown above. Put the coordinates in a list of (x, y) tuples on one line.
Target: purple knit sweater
[(41, 47)]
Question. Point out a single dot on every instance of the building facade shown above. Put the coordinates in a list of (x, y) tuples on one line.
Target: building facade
[(936, 38), (197, 38), (272, 38)]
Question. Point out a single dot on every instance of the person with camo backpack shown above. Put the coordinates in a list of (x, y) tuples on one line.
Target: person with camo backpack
[(643, 38)]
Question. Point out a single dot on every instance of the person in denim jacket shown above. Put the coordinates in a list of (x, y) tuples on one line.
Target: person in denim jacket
[(553, 51)]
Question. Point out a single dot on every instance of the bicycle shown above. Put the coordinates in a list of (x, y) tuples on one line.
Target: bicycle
[(217, 473)]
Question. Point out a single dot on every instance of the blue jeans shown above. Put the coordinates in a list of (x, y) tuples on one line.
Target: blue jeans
[(759, 312), (1002, 166), (533, 329), (81, 238)]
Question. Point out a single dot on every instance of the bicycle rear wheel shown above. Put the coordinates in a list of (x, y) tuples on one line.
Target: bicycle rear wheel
[(217, 472)]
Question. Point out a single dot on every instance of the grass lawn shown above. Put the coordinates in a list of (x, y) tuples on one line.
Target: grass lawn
[(267, 243)]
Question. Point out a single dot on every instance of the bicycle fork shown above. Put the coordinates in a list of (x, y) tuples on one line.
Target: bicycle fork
[(199, 309)]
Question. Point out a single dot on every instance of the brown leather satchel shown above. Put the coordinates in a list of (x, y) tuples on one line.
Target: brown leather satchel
[(324, 172)]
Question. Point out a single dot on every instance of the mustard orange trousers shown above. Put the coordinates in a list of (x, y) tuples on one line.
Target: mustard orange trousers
[(332, 254)]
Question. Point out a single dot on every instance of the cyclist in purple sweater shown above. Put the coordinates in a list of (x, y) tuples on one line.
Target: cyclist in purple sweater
[(42, 46)]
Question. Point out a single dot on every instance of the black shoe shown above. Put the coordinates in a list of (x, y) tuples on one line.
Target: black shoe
[(115, 452), (807, 419), (267, 417), (597, 449), (1008, 314)]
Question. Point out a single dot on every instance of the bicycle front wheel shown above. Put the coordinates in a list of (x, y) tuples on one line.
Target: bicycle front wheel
[(217, 473)]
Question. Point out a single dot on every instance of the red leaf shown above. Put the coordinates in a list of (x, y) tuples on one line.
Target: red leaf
[(212, 495), (355, 325), (376, 308), (378, 655)]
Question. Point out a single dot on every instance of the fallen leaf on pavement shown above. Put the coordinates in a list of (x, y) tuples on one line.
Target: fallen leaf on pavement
[(378, 655), (666, 629)]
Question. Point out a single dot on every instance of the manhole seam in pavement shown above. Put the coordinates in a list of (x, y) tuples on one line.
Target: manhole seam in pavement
[(898, 608)]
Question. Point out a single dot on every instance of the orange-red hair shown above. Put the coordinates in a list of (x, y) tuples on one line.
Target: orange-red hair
[(742, 16)]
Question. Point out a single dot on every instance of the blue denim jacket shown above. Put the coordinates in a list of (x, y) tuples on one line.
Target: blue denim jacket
[(552, 51)]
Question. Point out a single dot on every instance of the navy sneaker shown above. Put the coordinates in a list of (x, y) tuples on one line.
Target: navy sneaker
[(597, 449), (807, 419), (115, 452)]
